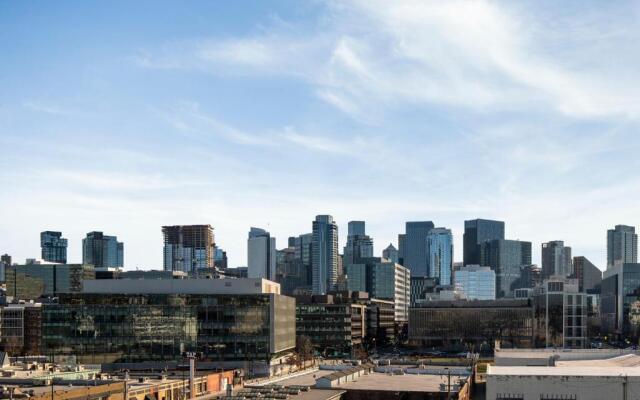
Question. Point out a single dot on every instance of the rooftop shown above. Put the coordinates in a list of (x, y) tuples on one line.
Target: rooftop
[(181, 286), (398, 383)]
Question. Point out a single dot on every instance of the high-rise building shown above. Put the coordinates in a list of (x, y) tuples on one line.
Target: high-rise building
[(476, 282), (620, 301), (622, 245), (102, 251), (415, 247), (506, 258), (188, 248), (391, 254), (220, 258), (54, 247), (324, 254), (401, 245), (588, 275), (261, 254), (359, 244), (356, 228), (440, 254), (303, 245), (5, 259), (556, 259), (476, 232)]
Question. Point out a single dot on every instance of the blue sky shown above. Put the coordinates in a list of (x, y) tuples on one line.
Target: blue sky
[(123, 117)]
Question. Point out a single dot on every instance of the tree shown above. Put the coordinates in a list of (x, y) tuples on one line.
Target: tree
[(304, 348)]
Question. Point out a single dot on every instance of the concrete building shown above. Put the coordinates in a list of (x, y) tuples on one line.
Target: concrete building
[(335, 323), (102, 251), (32, 281), (556, 259), (324, 255), (261, 254), (561, 314), (622, 245), (415, 247), (188, 248), (588, 275), (620, 301), (476, 232), (231, 322), (476, 282), (565, 375), (53, 247), (440, 254), (391, 254), (506, 258)]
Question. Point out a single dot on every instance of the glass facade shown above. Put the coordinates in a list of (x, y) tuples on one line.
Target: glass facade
[(324, 254), (414, 247), (102, 328), (477, 283), (476, 232), (102, 251), (54, 247), (506, 258), (31, 281), (440, 254)]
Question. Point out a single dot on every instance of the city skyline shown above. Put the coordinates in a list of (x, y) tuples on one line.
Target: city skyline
[(269, 114)]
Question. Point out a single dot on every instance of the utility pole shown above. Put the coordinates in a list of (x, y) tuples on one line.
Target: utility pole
[(448, 383), (624, 387)]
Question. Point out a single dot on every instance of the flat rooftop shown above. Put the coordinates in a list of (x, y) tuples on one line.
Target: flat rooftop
[(398, 383), (181, 286), (305, 380), (493, 370)]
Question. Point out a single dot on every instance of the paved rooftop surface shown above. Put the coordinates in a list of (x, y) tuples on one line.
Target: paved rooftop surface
[(397, 383), (306, 379)]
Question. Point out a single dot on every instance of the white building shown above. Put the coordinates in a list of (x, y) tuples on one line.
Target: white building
[(577, 374), (476, 282), (261, 254)]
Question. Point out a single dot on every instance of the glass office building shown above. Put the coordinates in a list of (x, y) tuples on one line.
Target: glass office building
[(414, 247), (476, 282), (620, 301), (54, 247), (126, 327), (440, 254), (102, 251), (476, 232)]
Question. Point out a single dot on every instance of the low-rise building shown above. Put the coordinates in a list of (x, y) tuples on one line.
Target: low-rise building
[(335, 323), (21, 329), (35, 280), (472, 322), (231, 322)]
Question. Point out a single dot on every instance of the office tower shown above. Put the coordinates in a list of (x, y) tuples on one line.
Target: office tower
[(261, 254), (356, 228), (556, 259), (440, 254), (620, 301), (476, 282), (530, 277), (391, 254), (102, 251), (622, 245), (5, 259), (415, 247), (588, 275), (506, 258), (188, 248), (290, 272), (303, 253), (32, 281), (220, 258), (324, 254), (54, 247), (401, 240), (359, 245), (476, 232)]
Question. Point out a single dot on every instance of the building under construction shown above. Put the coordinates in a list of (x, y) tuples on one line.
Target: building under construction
[(188, 248)]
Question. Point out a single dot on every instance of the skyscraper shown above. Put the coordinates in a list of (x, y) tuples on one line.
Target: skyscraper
[(261, 254), (476, 232), (556, 259), (401, 240), (415, 247), (359, 245), (220, 258), (588, 275), (324, 254), (102, 251), (391, 254), (440, 254), (622, 245), (506, 258), (54, 247), (303, 245), (188, 247)]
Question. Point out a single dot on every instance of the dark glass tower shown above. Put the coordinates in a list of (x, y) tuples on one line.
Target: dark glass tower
[(476, 232)]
